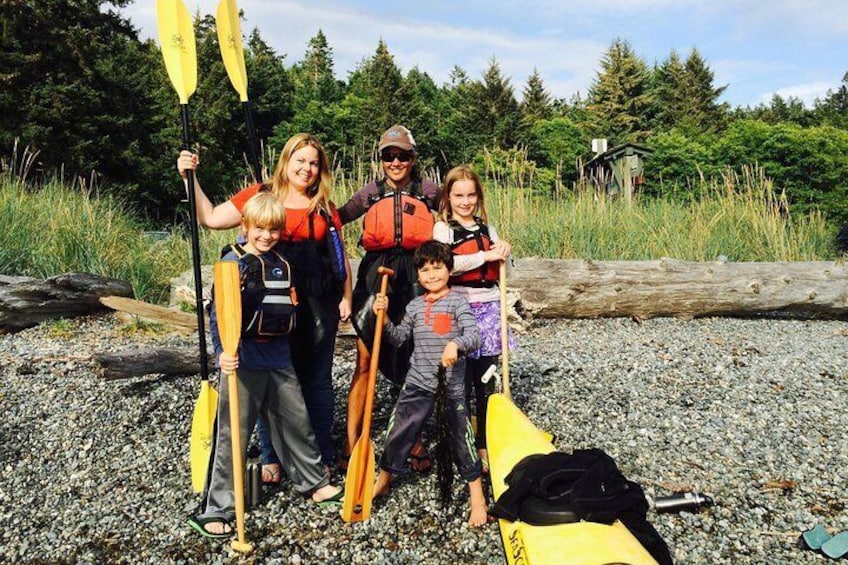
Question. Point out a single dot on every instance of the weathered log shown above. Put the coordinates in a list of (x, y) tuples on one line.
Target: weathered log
[(147, 361), (687, 289), (181, 320), (26, 302)]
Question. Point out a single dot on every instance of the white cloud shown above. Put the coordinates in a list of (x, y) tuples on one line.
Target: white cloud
[(807, 93)]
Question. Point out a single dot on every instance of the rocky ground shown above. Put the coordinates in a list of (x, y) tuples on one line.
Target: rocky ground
[(752, 412)]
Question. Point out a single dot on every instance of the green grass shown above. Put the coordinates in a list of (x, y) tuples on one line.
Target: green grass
[(55, 227)]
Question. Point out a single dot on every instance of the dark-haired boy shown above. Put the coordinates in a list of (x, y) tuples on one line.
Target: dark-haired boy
[(442, 328)]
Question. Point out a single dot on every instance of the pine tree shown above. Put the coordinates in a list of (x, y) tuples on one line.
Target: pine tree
[(494, 111), (705, 113), (833, 110), (316, 98), (619, 97), (371, 102), (536, 104), (670, 92)]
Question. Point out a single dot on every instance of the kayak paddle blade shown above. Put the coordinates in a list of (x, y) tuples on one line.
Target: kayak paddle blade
[(230, 42), (359, 482), (176, 37), (202, 427)]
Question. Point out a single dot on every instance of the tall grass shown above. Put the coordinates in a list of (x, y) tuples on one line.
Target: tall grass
[(738, 216), (53, 227)]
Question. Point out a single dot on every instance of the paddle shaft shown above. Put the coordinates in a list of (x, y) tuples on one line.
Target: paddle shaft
[(195, 252), (375, 357), (504, 332), (238, 466)]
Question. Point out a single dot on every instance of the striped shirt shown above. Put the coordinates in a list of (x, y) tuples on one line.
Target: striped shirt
[(432, 324)]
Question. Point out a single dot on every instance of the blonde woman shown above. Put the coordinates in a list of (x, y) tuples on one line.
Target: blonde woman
[(302, 182)]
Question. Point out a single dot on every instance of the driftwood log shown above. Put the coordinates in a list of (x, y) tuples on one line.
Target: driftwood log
[(26, 302), (686, 289), (149, 360), (183, 321)]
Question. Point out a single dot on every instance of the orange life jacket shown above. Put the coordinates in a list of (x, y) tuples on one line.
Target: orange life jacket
[(467, 242), (397, 219)]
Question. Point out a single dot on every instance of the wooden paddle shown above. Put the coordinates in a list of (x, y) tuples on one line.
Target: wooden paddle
[(176, 36), (228, 311), (504, 332), (359, 482), (232, 52)]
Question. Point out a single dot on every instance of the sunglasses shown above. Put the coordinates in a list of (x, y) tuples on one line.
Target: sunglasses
[(402, 156)]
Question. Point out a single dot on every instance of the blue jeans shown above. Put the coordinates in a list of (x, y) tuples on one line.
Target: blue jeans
[(312, 344)]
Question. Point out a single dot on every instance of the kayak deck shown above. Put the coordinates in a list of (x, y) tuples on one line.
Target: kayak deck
[(510, 437)]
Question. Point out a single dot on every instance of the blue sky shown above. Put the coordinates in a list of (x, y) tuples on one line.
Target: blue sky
[(789, 47)]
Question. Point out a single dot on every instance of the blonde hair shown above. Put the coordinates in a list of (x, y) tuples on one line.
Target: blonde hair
[(319, 193), (458, 173), (263, 210)]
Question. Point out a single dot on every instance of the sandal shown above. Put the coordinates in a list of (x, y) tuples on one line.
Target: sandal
[(271, 474), (420, 463), (837, 546), (200, 524), (335, 501)]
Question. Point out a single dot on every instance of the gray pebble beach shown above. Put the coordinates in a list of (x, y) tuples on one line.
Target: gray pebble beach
[(752, 412)]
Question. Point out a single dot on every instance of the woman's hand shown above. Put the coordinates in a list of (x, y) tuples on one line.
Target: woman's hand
[(450, 354), (381, 302), (344, 309), (228, 363), (187, 161)]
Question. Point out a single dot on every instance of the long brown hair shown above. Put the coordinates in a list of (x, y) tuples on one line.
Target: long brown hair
[(458, 173), (319, 193)]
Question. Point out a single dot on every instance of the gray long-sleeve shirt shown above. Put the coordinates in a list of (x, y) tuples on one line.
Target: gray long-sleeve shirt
[(432, 324)]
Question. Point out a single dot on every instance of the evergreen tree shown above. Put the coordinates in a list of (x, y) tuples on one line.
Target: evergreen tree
[(420, 105), (833, 110), (536, 104), (619, 98), (371, 103), (270, 87), (670, 92), (494, 113), (316, 98), (78, 86), (705, 113)]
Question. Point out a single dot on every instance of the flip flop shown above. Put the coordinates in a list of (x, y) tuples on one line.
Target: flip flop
[(837, 546), (815, 537), (420, 463), (200, 524), (334, 501), (271, 474)]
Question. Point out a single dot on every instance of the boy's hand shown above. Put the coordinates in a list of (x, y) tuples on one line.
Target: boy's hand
[(450, 354), (228, 363), (381, 302)]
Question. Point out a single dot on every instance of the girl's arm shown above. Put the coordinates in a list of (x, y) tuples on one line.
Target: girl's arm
[(222, 216), (502, 248)]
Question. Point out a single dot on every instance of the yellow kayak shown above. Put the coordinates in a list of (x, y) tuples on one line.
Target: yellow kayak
[(510, 437)]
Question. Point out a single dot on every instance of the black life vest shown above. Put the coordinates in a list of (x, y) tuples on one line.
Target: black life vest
[(467, 242), (268, 295), (399, 218)]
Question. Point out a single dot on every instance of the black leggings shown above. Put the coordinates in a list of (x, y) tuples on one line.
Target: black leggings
[(474, 369)]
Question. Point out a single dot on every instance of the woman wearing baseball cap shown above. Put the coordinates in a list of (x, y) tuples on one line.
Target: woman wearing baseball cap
[(398, 212)]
